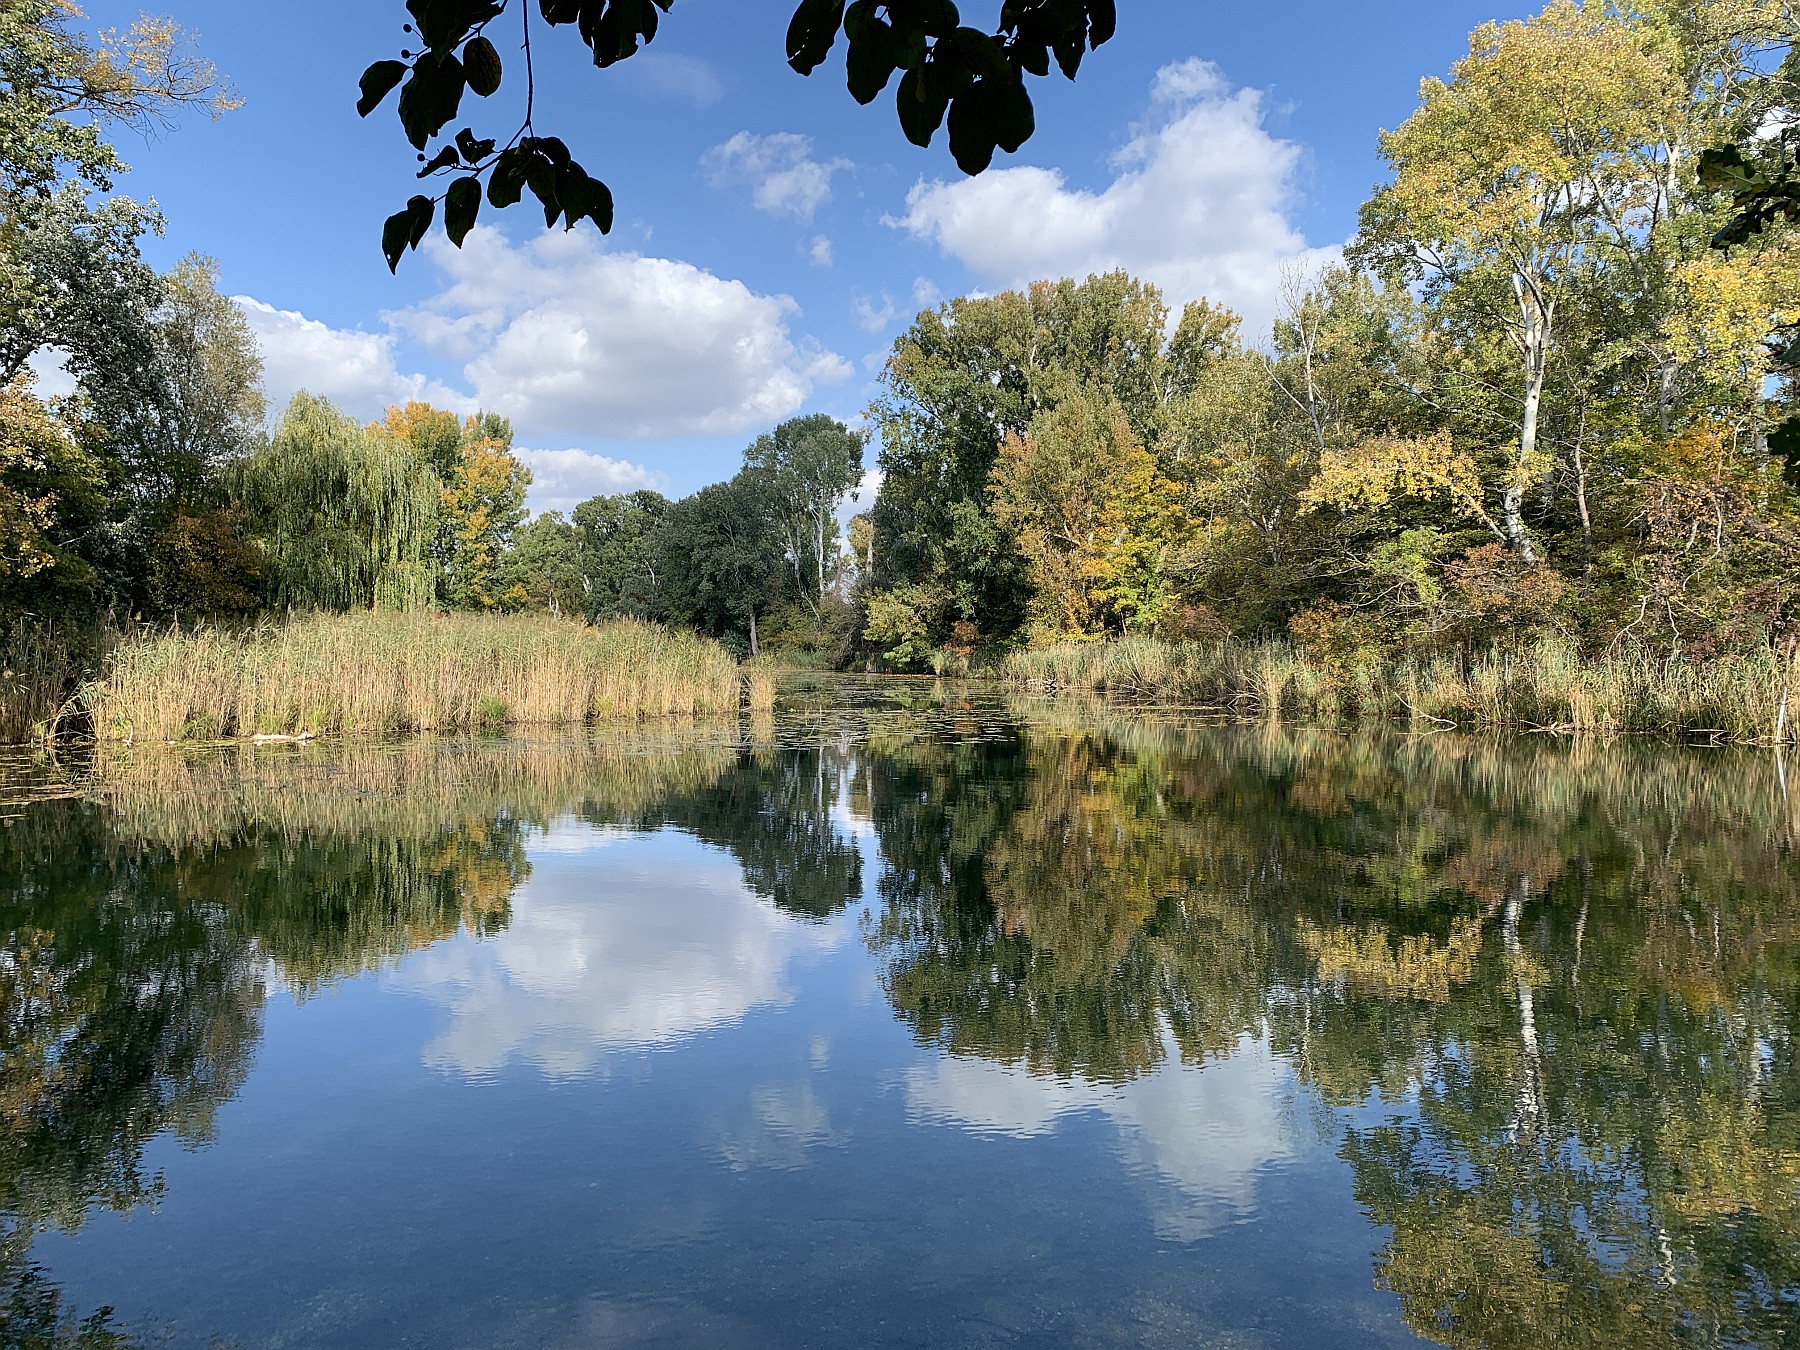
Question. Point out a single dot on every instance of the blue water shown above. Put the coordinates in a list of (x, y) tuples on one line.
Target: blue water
[(649, 1105)]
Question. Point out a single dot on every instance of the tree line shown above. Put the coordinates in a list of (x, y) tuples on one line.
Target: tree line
[(1547, 392), (427, 510), (1537, 396), (154, 489)]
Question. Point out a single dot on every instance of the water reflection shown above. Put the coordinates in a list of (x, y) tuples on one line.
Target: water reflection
[(1566, 980), (1200, 1140), (141, 924), (1537, 1001), (606, 957)]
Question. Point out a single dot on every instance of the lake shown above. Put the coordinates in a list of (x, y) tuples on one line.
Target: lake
[(911, 1016)]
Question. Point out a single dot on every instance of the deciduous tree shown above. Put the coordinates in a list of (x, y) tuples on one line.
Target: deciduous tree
[(808, 466), (1518, 176), (346, 517)]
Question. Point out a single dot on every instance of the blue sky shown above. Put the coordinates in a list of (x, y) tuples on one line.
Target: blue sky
[(772, 237)]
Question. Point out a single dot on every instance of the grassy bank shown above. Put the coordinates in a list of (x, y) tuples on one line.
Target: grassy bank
[(1546, 687), (381, 672)]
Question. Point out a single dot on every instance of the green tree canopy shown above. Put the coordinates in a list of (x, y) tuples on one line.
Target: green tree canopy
[(346, 515), (622, 541), (724, 562), (808, 465)]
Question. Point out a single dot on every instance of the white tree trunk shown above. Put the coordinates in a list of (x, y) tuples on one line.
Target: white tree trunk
[(1531, 1091), (1534, 346)]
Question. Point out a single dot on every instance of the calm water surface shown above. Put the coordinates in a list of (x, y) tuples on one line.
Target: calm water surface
[(911, 1017)]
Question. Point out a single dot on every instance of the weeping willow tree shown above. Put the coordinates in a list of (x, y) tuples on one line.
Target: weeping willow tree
[(346, 516)]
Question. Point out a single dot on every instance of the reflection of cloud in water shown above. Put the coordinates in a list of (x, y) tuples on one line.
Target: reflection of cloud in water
[(784, 1123), (604, 953), (1200, 1136), (565, 837)]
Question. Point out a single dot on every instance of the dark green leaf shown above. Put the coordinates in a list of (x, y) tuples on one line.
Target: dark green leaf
[(540, 174), (472, 150), (1784, 444), (507, 184), (583, 196), (1103, 22), (813, 31), (1013, 115), (461, 205), (549, 146), (972, 138), (482, 63), (421, 209), (939, 17), (1724, 169), (444, 159), (404, 229), (431, 98), (908, 46), (1032, 58), (615, 28), (980, 53), (393, 238), (443, 24), (378, 81), (921, 108), (871, 62), (859, 16), (1068, 58)]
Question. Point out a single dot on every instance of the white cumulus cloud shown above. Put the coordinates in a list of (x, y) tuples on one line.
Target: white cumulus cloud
[(354, 369), (1198, 204), (562, 479), (779, 169), (873, 318), (569, 339)]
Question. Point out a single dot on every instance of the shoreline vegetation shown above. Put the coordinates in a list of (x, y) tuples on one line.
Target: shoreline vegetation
[(364, 673), (390, 672), (1546, 687)]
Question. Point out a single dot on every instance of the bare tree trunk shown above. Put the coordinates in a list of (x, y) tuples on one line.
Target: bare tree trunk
[(1581, 500), (753, 647), (1534, 343), (1787, 692)]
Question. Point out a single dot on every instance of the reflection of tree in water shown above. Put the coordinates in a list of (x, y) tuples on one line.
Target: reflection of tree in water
[(129, 1009), (1570, 974), (134, 942), (1581, 964), (132, 984), (772, 810), (1608, 1149)]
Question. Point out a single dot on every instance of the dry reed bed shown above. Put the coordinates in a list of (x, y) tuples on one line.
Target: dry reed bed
[(385, 672), (201, 797), (41, 667), (1545, 687)]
